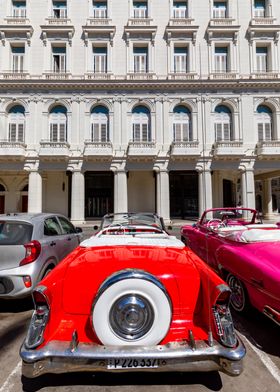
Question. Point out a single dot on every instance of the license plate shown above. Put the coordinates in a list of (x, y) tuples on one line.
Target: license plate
[(129, 363)]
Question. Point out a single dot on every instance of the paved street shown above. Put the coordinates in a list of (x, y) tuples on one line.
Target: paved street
[(261, 365)]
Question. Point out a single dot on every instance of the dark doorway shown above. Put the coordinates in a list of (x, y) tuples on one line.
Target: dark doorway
[(2, 204), (99, 194), (259, 203), (228, 194), (183, 194)]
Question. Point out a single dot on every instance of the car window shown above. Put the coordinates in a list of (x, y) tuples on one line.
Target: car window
[(51, 227), (67, 226), (15, 233)]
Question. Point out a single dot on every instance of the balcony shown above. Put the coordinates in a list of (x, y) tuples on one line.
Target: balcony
[(185, 149), (141, 76), (182, 76), (265, 20), (93, 150), (223, 75), (54, 150), (57, 75), (57, 26), (141, 149), (17, 20), (52, 21), (224, 22), (264, 75), (139, 21), (12, 150), (92, 21), (268, 149), (228, 149), (98, 76), (15, 75), (180, 21)]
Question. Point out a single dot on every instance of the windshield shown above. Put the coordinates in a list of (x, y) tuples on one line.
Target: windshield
[(236, 215), (15, 233), (134, 219)]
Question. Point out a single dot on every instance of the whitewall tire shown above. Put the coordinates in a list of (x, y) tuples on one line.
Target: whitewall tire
[(132, 312)]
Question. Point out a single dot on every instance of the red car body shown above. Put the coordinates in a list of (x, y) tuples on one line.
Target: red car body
[(131, 298), (244, 253)]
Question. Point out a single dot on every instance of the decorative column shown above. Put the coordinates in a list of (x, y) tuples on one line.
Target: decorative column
[(248, 187), (205, 200), (267, 202), (35, 184), (120, 191), (163, 200), (78, 196)]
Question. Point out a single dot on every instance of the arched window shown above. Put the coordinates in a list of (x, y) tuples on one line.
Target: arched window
[(141, 129), (100, 124), (264, 123), (16, 124), (182, 125), (223, 123), (58, 124)]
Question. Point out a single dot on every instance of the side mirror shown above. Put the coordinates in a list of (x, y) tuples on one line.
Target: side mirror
[(78, 229), (95, 227)]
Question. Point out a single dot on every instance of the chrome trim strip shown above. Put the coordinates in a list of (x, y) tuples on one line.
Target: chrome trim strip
[(57, 357)]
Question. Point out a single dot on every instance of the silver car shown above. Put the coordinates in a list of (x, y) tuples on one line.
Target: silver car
[(30, 247)]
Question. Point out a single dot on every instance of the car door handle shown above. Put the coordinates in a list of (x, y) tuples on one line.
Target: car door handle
[(257, 282), (52, 243)]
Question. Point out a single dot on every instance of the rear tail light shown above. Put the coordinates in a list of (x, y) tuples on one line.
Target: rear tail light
[(32, 252), (39, 319), (27, 281), (223, 320)]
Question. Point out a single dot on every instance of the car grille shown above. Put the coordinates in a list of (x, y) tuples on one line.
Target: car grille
[(6, 286)]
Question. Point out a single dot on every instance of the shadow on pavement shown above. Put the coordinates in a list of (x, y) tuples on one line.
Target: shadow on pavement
[(211, 380), (259, 330), (16, 305)]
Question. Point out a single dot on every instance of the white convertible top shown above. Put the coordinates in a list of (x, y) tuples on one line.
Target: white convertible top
[(155, 240)]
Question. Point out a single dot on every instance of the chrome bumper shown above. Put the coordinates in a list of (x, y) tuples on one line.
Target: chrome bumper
[(57, 357)]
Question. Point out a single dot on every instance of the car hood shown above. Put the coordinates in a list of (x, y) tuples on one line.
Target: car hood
[(10, 256), (92, 266)]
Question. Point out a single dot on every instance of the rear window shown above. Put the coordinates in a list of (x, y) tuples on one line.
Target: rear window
[(15, 233)]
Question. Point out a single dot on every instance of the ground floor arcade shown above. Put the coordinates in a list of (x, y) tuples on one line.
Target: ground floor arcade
[(85, 191)]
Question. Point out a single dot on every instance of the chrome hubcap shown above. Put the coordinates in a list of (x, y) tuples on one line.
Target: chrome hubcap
[(131, 316), (237, 296)]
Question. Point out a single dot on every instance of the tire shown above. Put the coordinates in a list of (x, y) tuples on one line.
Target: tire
[(132, 312), (239, 298)]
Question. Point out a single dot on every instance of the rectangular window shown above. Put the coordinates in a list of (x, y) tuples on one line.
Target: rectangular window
[(100, 59), (16, 132), (140, 59), (222, 131), (221, 59), (99, 132), (59, 58), (262, 59), (60, 9), (181, 132), (180, 59), (99, 9), (180, 9), (18, 58), (19, 9), (58, 132), (259, 9), (219, 9), (264, 131), (140, 9)]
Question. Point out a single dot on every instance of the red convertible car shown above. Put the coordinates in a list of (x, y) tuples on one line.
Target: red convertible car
[(243, 252), (131, 298)]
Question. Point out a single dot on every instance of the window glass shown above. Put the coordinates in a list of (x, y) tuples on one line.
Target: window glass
[(67, 226), (15, 233), (51, 227)]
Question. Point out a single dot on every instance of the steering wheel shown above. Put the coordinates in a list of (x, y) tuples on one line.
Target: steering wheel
[(215, 223)]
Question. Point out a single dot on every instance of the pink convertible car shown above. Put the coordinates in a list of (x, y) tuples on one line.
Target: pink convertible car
[(244, 252)]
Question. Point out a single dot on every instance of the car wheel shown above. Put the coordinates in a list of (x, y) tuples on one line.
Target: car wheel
[(132, 312), (239, 298)]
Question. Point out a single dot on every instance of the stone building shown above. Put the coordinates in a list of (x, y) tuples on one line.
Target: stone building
[(170, 106)]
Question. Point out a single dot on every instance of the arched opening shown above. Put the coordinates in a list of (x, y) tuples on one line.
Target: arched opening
[(58, 124), (99, 124), (182, 124), (223, 124), (141, 124)]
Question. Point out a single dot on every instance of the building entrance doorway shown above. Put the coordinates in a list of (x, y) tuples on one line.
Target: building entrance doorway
[(99, 194), (183, 194), (228, 194)]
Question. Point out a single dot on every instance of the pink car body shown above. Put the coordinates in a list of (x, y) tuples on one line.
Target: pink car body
[(244, 253)]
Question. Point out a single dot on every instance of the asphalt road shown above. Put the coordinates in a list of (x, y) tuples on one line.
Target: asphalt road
[(261, 365)]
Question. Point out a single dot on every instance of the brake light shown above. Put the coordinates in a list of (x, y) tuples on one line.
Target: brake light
[(223, 320), (32, 252), (39, 320), (27, 281)]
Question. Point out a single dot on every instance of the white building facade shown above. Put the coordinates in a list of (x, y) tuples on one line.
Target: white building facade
[(168, 106)]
